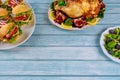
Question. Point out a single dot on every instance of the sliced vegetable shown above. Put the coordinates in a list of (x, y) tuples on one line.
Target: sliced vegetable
[(23, 18), (51, 15), (14, 37), (64, 26), (93, 22)]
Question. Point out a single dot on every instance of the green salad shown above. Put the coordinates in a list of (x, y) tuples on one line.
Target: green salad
[(112, 42)]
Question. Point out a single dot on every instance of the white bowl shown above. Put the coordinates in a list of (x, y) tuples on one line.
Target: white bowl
[(102, 42), (27, 32), (58, 25)]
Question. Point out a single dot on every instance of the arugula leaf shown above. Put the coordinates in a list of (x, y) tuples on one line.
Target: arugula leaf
[(118, 38), (62, 3), (107, 47), (116, 54), (111, 44), (101, 13), (108, 36), (69, 22), (52, 6), (117, 31), (114, 36)]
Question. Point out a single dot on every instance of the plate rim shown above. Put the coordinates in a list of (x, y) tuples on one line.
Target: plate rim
[(33, 29), (73, 29), (104, 49)]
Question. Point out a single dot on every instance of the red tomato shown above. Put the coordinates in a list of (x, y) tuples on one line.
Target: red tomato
[(14, 31), (22, 17)]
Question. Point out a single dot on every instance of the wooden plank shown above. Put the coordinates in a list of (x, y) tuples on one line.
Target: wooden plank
[(56, 78), (112, 8), (34, 61), (53, 30), (65, 68), (53, 53), (43, 8), (108, 19), (63, 40)]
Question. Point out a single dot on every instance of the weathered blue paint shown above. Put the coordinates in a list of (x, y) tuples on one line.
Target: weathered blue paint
[(55, 54)]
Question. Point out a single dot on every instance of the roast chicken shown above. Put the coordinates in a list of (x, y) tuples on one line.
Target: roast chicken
[(78, 8)]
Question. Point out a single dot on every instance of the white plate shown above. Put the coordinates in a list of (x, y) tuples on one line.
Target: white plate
[(102, 44), (58, 25), (27, 32)]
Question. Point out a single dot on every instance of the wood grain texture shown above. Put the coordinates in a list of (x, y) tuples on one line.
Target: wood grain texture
[(63, 40), (55, 54), (57, 78), (59, 68), (53, 30)]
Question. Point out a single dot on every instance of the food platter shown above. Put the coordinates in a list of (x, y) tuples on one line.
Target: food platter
[(27, 31), (102, 44), (75, 15), (59, 26)]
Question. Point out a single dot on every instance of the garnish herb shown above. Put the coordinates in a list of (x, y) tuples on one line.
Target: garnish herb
[(52, 6), (101, 13), (62, 3), (68, 22)]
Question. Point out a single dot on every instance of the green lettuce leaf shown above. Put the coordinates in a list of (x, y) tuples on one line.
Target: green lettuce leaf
[(68, 22), (111, 44)]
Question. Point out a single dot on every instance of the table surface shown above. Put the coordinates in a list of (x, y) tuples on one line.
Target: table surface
[(55, 54)]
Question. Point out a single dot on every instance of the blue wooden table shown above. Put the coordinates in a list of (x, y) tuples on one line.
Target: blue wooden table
[(55, 54)]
